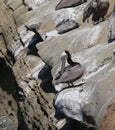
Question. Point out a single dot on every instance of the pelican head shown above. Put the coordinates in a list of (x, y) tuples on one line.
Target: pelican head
[(63, 61), (94, 4), (66, 56)]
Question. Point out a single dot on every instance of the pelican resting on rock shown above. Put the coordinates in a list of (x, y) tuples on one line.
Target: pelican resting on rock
[(68, 74), (101, 10), (96, 8), (89, 9), (111, 28)]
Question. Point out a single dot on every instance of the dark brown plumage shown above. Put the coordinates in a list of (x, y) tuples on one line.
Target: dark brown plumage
[(69, 73), (89, 9), (100, 11), (111, 26)]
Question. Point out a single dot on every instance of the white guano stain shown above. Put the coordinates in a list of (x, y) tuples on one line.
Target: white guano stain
[(33, 3), (48, 35), (96, 32), (34, 72), (71, 13)]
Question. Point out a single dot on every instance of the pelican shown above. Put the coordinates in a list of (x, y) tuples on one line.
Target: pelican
[(111, 33), (101, 10), (68, 74), (97, 8), (89, 9)]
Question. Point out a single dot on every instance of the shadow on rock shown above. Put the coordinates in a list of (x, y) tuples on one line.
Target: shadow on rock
[(46, 77), (9, 84), (35, 39), (88, 122), (7, 80), (75, 125)]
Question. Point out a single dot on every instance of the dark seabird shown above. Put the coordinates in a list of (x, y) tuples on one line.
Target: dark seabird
[(66, 25), (70, 73), (69, 3), (111, 28), (89, 9), (35, 39), (100, 11)]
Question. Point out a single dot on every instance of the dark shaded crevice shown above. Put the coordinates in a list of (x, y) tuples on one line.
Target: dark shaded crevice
[(24, 3), (42, 107), (10, 8), (35, 127), (46, 77), (29, 8), (17, 32), (21, 40), (10, 56), (7, 5), (21, 124), (44, 111), (5, 2), (37, 38), (75, 125), (7, 79), (8, 83)]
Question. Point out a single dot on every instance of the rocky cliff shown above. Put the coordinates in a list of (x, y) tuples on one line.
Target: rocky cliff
[(28, 99)]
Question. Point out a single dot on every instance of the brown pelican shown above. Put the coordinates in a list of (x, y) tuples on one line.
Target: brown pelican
[(89, 9), (101, 10), (68, 74), (111, 33)]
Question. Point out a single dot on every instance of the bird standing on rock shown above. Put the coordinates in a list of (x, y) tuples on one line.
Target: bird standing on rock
[(68, 74), (98, 9), (89, 9), (111, 26)]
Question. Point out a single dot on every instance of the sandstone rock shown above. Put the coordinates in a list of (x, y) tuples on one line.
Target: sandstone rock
[(22, 98), (90, 98), (7, 124), (79, 39), (33, 3)]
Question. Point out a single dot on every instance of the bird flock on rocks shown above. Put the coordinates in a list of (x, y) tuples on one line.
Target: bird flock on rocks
[(98, 9)]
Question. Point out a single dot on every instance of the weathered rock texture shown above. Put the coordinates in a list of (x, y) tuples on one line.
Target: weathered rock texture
[(26, 100)]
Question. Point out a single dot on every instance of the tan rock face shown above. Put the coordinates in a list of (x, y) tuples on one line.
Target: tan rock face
[(8, 88), (27, 100), (36, 111), (107, 121)]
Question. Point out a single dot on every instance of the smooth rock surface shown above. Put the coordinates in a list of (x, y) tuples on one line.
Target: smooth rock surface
[(23, 98)]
